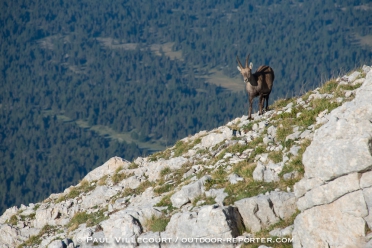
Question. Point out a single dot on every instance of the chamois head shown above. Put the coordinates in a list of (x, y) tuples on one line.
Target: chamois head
[(245, 71)]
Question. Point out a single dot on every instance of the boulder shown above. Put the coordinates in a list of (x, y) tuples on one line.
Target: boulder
[(100, 195), (210, 222), (218, 194), (349, 124), (215, 138), (124, 226), (8, 213), (9, 236), (329, 192), (153, 169), (189, 192), (56, 244), (256, 212), (338, 224), (107, 168), (261, 211)]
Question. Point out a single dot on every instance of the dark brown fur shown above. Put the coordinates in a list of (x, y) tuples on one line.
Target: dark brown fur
[(259, 83)]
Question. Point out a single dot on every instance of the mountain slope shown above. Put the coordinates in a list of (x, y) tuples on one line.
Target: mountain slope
[(247, 179)]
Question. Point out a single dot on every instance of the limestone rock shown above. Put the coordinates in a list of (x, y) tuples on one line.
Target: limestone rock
[(284, 204), (234, 178), (218, 194), (256, 212), (122, 225), (9, 236), (261, 211), (149, 239), (210, 222), (282, 232), (189, 192), (8, 213), (351, 125), (153, 169), (56, 244), (98, 196), (107, 168), (351, 78), (213, 139), (329, 192), (339, 224)]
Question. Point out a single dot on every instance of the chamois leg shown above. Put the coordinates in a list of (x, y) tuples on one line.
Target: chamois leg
[(267, 102), (262, 99), (250, 108)]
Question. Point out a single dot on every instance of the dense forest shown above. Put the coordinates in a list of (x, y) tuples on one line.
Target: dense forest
[(82, 81)]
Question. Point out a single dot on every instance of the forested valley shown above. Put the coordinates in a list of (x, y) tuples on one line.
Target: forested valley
[(82, 81)]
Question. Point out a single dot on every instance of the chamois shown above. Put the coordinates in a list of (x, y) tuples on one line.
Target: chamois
[(259, 83)]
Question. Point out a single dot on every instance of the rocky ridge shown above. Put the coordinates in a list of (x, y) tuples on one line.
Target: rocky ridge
[(300, 172)]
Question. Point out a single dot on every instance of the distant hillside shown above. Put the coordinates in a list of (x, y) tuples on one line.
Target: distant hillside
[(133, 77)]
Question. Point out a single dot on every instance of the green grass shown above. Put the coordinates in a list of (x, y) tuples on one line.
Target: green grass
[(281, 103), (207, 200), (329, 87), (166, 202), (157, 224), (133, 166), (276, 156), (165, 171), (163, 188), (102, 180), (84, 187), (295, 164), (118, 177), (35, 240), (12, 220), (90, 219)]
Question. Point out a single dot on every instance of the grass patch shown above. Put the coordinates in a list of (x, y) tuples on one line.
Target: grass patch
[(133, 166), (166, 202), (139, 190), (283, 131), (295, 164), (158, 155), (118, 177), (78, 219), (207, 200), (245, 189), (157, 224), (102, 180), (182, 147), (84, 187), (165, 171), (35, 240), (12, 220), (281, 103), (329, 87), (276, 156), (248, 127), (163, 188), (90, 219)]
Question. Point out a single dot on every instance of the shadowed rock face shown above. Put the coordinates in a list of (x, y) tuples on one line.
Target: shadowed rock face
[(335, 194)]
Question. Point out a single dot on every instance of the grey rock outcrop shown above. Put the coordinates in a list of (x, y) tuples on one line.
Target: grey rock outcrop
[(334, 194), (209, 222), (189, 192), (262, 211)]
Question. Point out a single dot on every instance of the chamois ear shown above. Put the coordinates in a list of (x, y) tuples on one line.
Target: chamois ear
[(251, 65), (240, 69)]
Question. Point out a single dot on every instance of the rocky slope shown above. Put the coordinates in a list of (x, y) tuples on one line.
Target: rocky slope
[(298, 175)]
